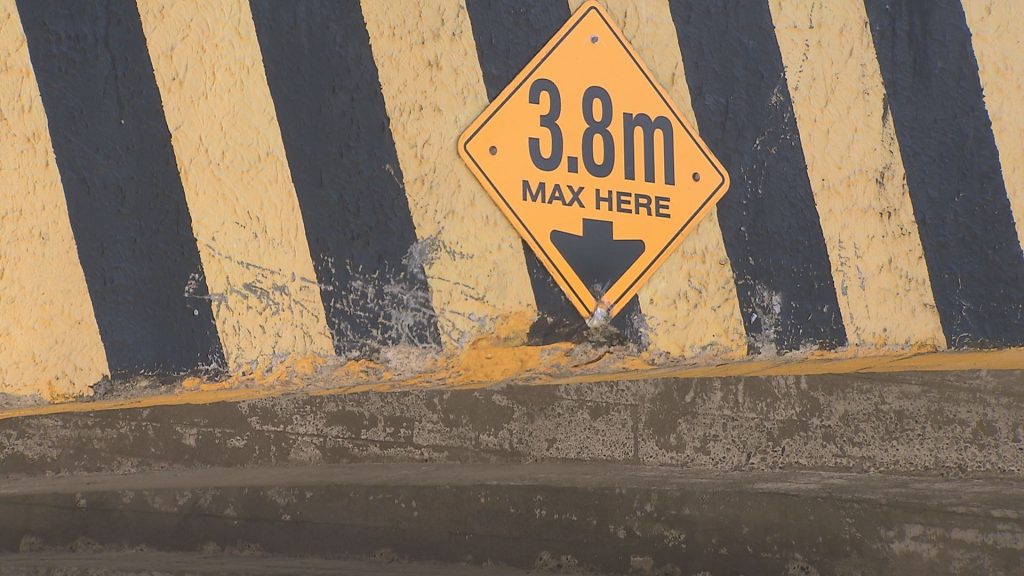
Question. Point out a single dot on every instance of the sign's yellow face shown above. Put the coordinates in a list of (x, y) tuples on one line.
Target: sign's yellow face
[(593, 164)]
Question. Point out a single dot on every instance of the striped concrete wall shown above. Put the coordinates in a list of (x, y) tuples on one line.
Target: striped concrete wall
[(190, 185)]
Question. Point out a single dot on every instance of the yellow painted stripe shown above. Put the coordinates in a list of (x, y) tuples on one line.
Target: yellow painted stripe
[(857, 174), (690, 304), (997, 34), (49, 341), (1007, 359), (228, 146), (942, 361), (433, 89)]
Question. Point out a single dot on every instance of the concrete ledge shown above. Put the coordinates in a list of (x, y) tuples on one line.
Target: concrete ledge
[(599, 517), (954, 424)]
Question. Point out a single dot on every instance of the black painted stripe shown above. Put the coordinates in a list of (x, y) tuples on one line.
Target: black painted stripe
[(125, 199), (768, 218), (953, 172), (508, 34), (337, 137)]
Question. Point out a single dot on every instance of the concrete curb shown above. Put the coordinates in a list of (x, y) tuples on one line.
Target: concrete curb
[(955, 424)]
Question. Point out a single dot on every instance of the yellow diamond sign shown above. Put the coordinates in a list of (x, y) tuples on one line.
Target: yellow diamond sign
[(593, 164)]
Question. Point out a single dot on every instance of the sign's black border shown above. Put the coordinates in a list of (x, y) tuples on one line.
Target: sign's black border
[(465, 147)]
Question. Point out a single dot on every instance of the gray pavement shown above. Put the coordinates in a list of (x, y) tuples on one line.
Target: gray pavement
[(148, 563), (861, 474), (555, 517)]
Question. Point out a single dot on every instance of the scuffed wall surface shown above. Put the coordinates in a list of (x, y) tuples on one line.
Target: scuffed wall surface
[(690, 304), (131, 223), (245, 216), (997, 35), (769, 220), (49, 343), (956, 185), (857, 175), (348, 178), (471, 255), (211, 190)]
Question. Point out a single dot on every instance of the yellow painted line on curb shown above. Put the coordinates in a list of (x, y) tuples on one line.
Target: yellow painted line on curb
[(690, 304), (433, 88), (185, 398), (857, 174), (49, 340), (944, 361), (997, 34), (246, 218)]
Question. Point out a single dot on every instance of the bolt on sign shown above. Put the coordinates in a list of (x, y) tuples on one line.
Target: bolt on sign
[(587, 156)]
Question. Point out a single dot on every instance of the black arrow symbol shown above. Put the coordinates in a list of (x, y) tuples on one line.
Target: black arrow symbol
[(597, 258)]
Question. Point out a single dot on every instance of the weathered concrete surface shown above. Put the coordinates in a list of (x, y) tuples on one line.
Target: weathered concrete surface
[(959, 424), (607, 518), (908, 473), (249, 563)]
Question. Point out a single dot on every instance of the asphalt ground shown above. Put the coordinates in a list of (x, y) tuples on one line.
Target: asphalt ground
[(915, 472), (149, 563)]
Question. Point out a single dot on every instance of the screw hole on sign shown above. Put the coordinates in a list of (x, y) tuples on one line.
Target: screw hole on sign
[(696, 176), (493, 150), (594, 39)]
